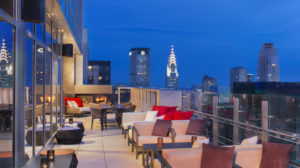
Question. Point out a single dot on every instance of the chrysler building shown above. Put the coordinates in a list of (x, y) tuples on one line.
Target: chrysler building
[(172, 74)]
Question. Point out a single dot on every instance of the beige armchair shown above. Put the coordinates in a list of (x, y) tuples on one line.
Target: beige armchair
[(127, 120), (142, 134)]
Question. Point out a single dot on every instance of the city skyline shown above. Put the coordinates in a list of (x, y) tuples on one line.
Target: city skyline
[(207, 41)]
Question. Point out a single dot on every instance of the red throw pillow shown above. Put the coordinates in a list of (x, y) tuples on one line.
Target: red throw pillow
[(78, 101), (183, 115), (161, 128), (275, 155), (66, 101), (195, 127), (172, 108), (169, 116), (160, 109), (216, 156)]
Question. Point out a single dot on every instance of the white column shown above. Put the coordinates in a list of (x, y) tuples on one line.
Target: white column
[(215, 123)]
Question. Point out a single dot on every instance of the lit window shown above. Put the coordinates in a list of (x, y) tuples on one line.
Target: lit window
[(269, 74), (100, 78), (273, 65), (90, 68)]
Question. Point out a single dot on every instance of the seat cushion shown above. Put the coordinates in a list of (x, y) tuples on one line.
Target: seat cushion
[(180, 126), (216, 156), (183, 157), (161, 128), (186, 138), (84, 109), (276, 155), (195, 127), (151, 140), (200, 140)]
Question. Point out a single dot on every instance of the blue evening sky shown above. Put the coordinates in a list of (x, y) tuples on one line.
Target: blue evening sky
[(210, 37)]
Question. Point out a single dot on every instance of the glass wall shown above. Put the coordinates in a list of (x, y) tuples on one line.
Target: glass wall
[(6, 90)]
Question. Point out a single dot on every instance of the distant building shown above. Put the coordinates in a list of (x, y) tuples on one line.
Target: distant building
[(268, 64), (172, 74), (6, 69), (250, 78), (140, 67), (209, 84), (238, 74), (99, 73), (85, 50)]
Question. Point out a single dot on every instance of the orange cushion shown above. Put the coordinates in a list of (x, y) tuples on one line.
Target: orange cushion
[(5, 155)]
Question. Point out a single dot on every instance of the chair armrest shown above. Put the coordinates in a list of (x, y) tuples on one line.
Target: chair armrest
[(234, 165), (135, 134), (133, 116), (172, 134), (71, 110)]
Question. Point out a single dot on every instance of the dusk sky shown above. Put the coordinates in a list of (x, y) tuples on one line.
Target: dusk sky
[(209, 37)]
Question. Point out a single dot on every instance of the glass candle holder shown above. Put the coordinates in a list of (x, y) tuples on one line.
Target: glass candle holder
[(194, 138), (160, 141), (51, 154), (71, 120), (44, 163)]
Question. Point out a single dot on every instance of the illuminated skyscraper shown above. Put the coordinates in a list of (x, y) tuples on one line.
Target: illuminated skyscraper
[(268, 64), (140, 67), (172, 74), (6, 76), (238, 74)]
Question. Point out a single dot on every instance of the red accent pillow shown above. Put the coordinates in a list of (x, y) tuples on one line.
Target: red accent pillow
[(187, 115), (216, 156), (78, 101), (169, 116), (161, 110), (172, 108), (66, 101), (161, 128), (275, 155)]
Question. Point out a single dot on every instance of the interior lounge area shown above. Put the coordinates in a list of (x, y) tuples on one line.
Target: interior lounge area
[(50, 118)]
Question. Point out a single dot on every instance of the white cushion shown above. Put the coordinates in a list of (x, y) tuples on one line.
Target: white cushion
[(75, 105), (70, 104), (151, 115), (84, 109), (250, 141), (198, 143)]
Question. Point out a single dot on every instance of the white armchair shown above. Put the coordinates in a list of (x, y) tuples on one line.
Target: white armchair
[(130, 117)]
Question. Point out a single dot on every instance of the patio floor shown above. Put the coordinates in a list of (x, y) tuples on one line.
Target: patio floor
[(105, 149)]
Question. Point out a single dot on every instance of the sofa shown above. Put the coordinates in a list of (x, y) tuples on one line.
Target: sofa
[(75, 106)]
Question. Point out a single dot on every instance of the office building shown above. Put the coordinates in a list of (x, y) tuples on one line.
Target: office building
[(172, 74), (6, 76), (209, 84), (268, 64), (99, 72), (250, 78), (238, 74), (140, 67)]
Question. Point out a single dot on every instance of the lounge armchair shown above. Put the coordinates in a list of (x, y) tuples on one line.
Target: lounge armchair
[(142, 134), (180, 128), (74, 106), (130, 117)]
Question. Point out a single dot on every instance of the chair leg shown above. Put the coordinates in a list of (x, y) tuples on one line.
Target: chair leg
[(132, 146), (136, 153), (92, 124)]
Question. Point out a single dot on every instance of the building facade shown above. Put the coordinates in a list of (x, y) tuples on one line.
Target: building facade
[(140, 67), (6, 75), (268, 64), (209, 84), (99, 73), (238, 74), (172, 73)]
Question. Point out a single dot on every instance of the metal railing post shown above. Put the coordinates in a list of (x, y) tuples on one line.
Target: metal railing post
[(119, 95), (236, 104), (215, 122), (264, 120)]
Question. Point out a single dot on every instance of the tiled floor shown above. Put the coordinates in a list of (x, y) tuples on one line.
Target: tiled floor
[(103, 149)]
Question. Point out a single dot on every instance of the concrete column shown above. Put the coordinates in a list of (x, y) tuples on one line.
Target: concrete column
[(119, 95), (215, 123), (79, 69), (265, 119), (236, 104)]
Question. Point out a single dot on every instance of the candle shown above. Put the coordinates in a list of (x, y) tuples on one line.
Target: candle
[(44, 163), (51, 155), (160, 142), (194, 138), (71, 120)]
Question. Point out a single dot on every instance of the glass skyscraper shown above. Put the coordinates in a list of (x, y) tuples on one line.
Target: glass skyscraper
[(140, 67), (238, 74), (268, 64)]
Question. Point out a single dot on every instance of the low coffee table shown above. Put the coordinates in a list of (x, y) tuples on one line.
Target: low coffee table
[(151, 149)]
